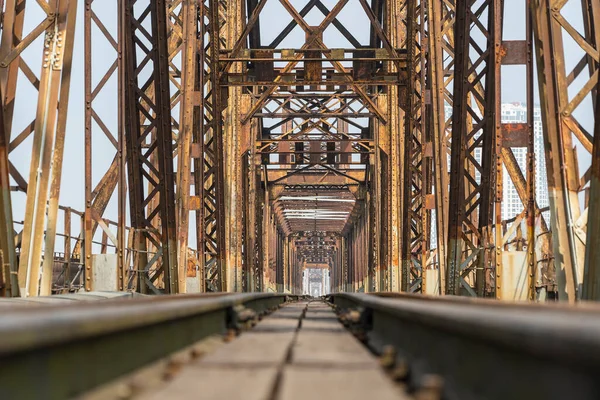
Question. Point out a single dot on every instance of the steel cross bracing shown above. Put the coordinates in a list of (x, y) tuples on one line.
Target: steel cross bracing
[(98, 195), (417, 166), (472, 178), (297, 151), (564, 90), (149, 144)]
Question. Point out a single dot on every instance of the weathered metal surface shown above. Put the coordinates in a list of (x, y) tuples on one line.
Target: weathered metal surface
[(591, 277), (533, 351), (210, 183), (416, 167), (439, 48), (189, 114), (150, 168), (8, 262), (146, 329), (560, 101), (471, 200), (43, 184), (219, 123), (63, 299)]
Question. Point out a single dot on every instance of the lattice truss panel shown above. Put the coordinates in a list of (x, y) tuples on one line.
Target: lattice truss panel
[(150, 144), (417, 166), (195, 112), (482, 156), (214, 18), (471, 176), (104, 71), (318, 109)]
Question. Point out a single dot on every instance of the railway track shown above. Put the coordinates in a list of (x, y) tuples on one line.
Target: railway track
[(71, 349), (482, 349), (451, 348)]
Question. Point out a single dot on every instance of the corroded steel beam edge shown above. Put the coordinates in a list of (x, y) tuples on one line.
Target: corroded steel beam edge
[(526, 350), (134, 331)]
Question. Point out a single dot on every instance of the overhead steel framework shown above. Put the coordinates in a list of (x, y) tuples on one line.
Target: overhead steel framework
[(360, 137)]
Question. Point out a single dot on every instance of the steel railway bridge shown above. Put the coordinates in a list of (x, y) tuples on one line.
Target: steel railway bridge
[(252, 153)]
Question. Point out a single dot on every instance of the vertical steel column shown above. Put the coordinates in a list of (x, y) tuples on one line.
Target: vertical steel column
[(470, 221), (437, 123), (255, 213), (125, 277), (531, 205), (560, 100), (253, 221), (7, 243), (416, 181), (212, 170), (247, 229), (377, 280), (12, 36), (591, 275), (232, 150), (189, 109), (149, 146), (59, 146), (47, 151), (395, 33), (8, 263), (371, 250)]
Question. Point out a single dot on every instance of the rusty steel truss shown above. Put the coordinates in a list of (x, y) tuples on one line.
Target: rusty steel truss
[(362, 137)]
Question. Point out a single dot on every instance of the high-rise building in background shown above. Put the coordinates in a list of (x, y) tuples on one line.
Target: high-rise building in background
[(511, 203)]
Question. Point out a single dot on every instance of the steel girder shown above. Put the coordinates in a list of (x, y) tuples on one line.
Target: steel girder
[(562, 102), (312, 141), (439, 49), (417, 165), (591, 276), (102, 28), (507, 233), (185, 26), (12, 18), (211, 179), (485, 238), (150, 145), (47, 128), (8, 263), (407, 143), (471, 196)]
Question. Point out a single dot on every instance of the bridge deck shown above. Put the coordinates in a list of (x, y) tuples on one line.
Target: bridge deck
[(187, 346)]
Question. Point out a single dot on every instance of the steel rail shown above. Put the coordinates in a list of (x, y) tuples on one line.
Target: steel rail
[(61, 352), (484, 349), (8, 303)]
